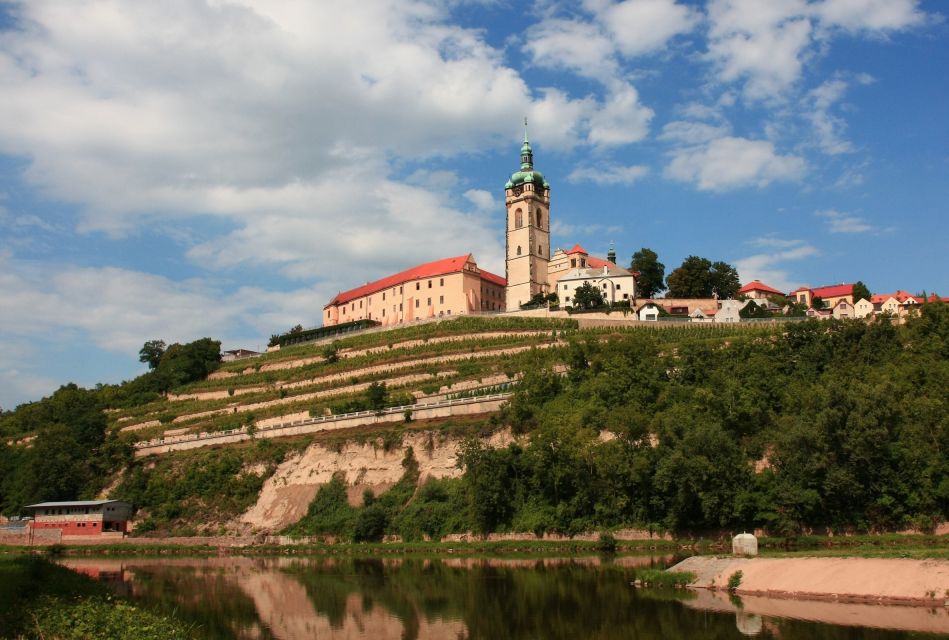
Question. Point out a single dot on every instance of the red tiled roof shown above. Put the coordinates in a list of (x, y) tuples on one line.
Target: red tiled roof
[(833, 291), (441, 267), (757, 285), (577, 249)]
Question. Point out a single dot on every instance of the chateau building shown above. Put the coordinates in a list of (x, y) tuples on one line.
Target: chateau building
[(457, 286), (451, 286)]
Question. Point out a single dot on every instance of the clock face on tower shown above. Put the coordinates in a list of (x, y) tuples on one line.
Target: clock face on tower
[(518, 190)]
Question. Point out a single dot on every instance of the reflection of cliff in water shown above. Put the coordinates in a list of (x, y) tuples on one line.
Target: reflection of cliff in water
[(427, 599)]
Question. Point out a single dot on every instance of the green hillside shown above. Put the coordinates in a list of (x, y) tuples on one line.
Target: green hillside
[(789, 427)]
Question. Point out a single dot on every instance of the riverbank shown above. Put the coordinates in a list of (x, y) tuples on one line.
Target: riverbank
[(857, 580), (920, 547)]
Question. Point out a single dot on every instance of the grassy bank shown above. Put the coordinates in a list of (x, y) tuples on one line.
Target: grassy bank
[(43, 600), (868, 546)]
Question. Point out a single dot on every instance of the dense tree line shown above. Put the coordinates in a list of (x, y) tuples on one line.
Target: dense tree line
[(833, 424), (73, 455)]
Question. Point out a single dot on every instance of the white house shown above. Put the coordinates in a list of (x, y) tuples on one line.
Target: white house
[(616, 284), (648, 312), (863, 308), (729, 311)]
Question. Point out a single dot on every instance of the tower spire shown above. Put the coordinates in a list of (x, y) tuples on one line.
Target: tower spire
[(527, 154)]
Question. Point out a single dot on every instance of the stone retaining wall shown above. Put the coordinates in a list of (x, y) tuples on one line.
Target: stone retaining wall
[(444, 409)]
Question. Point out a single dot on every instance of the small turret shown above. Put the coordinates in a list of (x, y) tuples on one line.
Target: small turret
[(611, 254)]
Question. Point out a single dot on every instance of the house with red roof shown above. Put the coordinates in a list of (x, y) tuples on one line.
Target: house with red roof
[(830, 295), (446, 287), (757, 290)]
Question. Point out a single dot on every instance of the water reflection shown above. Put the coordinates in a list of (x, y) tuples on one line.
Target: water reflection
[(468, 599)]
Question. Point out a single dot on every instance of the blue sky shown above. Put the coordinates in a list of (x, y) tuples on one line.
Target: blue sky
[(209, 168)]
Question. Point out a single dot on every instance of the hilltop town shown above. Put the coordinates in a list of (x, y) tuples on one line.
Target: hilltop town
[(535, 277)]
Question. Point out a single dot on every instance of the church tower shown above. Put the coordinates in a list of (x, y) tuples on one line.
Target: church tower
[(527, 198)]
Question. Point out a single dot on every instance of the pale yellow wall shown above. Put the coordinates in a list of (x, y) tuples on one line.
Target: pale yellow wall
[(451, 294), (560, 263), (528, 244)]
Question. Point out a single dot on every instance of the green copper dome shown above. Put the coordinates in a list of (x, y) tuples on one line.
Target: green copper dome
[(527, 174)]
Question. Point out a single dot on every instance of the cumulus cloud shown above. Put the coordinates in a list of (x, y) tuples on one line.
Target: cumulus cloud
[(608, 174), (593, 44), (637, 27), (839, 222), (173, 112), (764, 45), (732, 162), (622, 119), (768, 267), (575, 45)]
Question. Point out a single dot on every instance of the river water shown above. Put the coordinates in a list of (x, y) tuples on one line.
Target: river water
[(477, 598)]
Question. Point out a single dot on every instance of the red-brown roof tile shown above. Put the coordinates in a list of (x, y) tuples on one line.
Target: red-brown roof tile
[(758, 285)]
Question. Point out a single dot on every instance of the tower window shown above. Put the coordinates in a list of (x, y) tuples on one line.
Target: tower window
[(518, 250), (540, 250), (539, 226), (518, 218)]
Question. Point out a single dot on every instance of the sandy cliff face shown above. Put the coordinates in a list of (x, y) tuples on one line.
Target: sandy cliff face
[(288, 492)]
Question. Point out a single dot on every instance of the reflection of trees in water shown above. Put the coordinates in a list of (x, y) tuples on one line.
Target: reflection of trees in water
[(566, 601), (209, 598)]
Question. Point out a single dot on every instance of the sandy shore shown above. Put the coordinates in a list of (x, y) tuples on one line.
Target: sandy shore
[(866, 580)]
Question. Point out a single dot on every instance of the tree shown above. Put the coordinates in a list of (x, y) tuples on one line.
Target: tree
[(152, 352), (860, 291), (184, 363), (587, 296), (651, 272), (376, 394), (754, 310), (692, 279), (725, 282)]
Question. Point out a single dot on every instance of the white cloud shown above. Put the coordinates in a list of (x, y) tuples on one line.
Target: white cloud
[(871, 15), (590, 45), (838, 222), (118, 309), (571, 44), (827, 127), (764, 45), (608, 174), (484, 201), (767, 267), (168, 108), (622, 119), (642, 26), (730, 163)]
